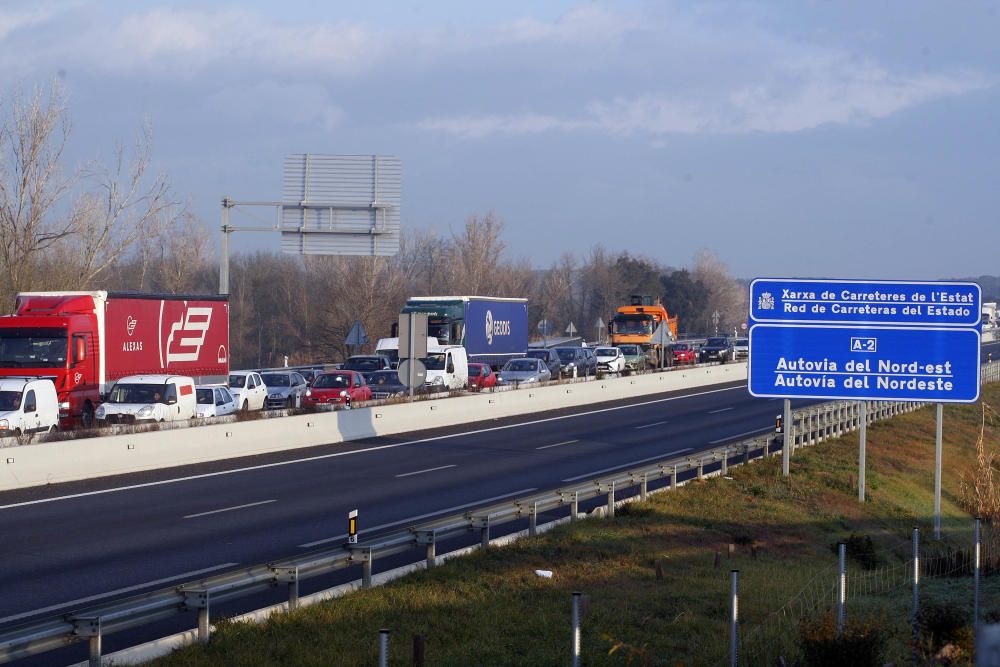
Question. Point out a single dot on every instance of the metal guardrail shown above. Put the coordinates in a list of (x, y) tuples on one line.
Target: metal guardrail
[(812, 425)]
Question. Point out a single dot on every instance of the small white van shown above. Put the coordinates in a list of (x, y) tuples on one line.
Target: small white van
[(149, 398), (28, 405), (447, 368)]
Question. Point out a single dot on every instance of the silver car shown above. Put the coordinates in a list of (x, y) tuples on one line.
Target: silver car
[(285, 389), (524, 370)]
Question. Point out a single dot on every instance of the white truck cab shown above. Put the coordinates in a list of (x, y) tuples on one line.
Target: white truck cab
[(149, 398), (28, 405), (389, 347)]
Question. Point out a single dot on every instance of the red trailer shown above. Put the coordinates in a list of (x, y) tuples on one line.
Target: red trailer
[(85, 341)]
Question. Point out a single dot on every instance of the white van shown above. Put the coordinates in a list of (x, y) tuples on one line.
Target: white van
[(149, 398), (28, 405), (447, 368)]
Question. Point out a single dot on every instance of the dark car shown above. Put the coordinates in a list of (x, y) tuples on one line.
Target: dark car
[(549, 356), (385, 384), (719, 348), (577, 361), (366, 363)]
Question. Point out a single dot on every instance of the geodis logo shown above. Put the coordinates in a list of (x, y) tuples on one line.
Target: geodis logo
[(185, 336), (495, 327)]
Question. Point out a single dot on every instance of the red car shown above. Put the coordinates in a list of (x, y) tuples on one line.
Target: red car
[(481, 376), (336, 388), (684, 353)]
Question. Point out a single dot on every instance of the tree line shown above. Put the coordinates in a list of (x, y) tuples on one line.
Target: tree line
[(118, 226)]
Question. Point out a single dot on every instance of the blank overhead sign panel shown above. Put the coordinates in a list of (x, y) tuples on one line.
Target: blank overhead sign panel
[(341, 205)]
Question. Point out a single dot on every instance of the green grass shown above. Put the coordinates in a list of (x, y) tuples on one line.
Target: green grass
[(491, 609)]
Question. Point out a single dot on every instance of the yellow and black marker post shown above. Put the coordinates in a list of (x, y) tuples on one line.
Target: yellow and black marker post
[(352, 527)]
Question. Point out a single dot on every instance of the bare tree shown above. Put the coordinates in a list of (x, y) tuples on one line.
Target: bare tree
[(124, 210), (32, 185)]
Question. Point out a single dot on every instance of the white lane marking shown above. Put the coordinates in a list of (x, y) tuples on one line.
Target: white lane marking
[(157, 582), (715, 412), (229, 509), (320, 457), (626, 465), (739, 435), (422, 516), (558, 444), (421, 472), (651, 425)]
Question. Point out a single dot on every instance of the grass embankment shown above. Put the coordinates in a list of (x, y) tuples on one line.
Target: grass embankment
[(491, 608)]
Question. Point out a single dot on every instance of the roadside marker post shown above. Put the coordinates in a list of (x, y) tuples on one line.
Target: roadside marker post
[(352, 527)]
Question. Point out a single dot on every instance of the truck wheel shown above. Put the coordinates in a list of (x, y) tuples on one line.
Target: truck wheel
[(53, 429)]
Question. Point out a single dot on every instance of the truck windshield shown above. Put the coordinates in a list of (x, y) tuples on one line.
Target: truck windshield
[(440, 329), (33, 348), (10, 400), (434, 362), (633, 324), (138, 393)]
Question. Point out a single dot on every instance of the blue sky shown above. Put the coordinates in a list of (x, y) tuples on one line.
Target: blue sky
[(832, 139)]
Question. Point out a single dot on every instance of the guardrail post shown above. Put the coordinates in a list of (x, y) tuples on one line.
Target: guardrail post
[(724, 469), (532, 519), (673, 478), (90, 627), (483, 523), (644, 488), (383, 647), (366, 572), (197, 598), (701, 469), (574, 503), (290, 576), (427, 537), (364, 554), (575, 640), (611, 500)]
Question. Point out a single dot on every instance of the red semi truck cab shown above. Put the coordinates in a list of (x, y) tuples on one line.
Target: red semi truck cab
[(85, 341)]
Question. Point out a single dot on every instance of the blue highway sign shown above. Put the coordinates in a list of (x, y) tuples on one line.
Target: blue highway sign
[(868, 302), (939, 365)]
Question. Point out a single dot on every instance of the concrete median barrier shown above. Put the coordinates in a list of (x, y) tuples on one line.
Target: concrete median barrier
[(71, 460)]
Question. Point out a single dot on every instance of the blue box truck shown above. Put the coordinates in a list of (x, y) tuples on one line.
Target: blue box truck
[(492, 329)]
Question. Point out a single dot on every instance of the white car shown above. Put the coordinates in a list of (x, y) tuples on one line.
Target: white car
[(610, 359), (248, 389), (28, 405), (214, 401), (148, 398)]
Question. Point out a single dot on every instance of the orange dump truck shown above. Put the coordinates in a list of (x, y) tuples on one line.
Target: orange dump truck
[(637, 322)]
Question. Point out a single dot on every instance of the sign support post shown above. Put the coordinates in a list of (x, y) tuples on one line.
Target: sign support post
[(789, 438), (863, 427), (410, 348), (937, 471)]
